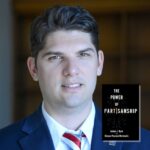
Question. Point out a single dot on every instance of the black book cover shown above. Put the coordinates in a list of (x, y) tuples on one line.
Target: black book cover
[(121, 112)]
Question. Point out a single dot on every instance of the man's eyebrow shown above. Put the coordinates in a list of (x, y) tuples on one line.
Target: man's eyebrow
[(51, 53), (86, 50)]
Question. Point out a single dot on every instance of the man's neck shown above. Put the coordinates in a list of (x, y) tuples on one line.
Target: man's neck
[(71, 118)]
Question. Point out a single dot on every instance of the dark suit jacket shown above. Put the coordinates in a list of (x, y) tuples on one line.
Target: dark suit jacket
[(32, 133)]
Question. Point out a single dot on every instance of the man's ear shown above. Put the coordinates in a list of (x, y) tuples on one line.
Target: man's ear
[(100, 62), (32, 68)]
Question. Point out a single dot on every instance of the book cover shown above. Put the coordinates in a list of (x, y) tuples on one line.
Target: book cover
[(121, 112)]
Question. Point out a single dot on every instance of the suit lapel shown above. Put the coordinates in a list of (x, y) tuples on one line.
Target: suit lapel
[(37, 133), (97, 142), (38, 137)]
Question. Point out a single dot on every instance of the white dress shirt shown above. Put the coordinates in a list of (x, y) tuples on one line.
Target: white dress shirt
[(57, 130)]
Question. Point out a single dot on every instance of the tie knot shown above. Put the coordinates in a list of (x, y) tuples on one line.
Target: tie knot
[(73, 140)]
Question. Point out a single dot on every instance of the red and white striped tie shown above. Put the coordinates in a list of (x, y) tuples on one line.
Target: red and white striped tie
[(73, 141)]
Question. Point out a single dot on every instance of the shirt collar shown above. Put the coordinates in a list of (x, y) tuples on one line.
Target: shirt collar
[(58, 130), (54, 127), (88, 124)]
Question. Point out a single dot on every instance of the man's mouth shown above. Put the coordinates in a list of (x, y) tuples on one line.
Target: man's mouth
[(72, 85)]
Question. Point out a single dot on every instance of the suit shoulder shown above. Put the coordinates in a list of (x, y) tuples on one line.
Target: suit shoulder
[(10, 135), (143, 144), (145, 135), (16, 128), (11, 130)]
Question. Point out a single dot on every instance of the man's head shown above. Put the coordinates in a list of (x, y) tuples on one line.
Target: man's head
[(62, 18), (65, 59)]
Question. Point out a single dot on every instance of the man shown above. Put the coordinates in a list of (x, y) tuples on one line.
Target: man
[(66, 61)]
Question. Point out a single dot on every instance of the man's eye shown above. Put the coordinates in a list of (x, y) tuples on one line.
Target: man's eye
[(84, 54), (52, 58)]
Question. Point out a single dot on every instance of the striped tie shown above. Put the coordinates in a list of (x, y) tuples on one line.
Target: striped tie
[(73, 141)]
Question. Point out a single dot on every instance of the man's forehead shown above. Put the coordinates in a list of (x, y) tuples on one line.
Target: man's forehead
[(61, 36), (68, 41)]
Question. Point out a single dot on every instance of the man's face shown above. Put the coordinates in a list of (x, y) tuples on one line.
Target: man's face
[(67, 69)]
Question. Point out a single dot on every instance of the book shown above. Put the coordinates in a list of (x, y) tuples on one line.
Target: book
[(121, 112)]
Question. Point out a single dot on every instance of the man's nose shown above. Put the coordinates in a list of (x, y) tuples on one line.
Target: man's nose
[(71, 68)]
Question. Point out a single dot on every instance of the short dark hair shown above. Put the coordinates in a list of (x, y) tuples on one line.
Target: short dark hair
[(65, 18)]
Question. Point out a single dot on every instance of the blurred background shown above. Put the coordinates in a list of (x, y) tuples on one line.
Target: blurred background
[(124, 37)]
